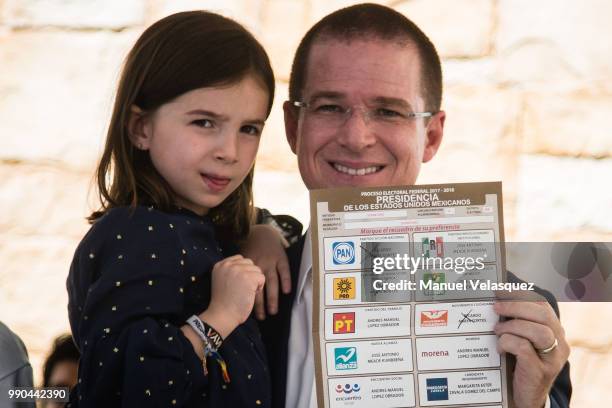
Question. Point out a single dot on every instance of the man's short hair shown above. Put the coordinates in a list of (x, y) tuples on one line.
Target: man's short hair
[(371, 21)]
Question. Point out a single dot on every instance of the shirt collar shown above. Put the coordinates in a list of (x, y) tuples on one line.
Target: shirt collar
[(305, 267)]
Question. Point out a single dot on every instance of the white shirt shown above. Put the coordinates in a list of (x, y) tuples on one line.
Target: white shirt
[(301, 387)]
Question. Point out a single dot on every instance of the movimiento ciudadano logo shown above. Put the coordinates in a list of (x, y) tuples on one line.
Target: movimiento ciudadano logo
[(434, 318)]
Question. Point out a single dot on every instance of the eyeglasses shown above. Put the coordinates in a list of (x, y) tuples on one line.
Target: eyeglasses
[(335, 115)]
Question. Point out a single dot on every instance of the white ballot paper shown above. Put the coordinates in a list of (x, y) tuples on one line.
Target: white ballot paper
[(404, 281)]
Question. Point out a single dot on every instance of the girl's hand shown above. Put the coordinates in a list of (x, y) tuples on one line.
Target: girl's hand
[(266, 247), (235, 282)]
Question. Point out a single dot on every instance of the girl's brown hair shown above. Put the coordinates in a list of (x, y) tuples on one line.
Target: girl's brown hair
[(180, 53)]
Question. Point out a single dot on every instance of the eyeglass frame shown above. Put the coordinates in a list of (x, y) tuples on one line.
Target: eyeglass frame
[(351, 109)]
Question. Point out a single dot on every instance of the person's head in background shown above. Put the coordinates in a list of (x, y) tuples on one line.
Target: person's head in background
[(364, 100), (191, 103), (60, 368)]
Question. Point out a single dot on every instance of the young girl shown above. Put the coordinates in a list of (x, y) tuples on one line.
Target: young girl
[(160, 317)]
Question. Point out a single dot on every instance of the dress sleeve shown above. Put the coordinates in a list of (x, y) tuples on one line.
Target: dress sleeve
[(126, 300)]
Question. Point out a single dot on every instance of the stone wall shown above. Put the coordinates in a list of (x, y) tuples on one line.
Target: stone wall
[(528, 94)]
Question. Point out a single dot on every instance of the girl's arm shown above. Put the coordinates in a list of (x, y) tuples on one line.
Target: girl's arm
[(235, 282)]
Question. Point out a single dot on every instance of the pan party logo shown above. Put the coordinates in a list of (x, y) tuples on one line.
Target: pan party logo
[(343, 252)]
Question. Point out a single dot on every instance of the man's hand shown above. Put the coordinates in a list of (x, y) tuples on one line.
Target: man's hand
[(266, 247), (534, 327)]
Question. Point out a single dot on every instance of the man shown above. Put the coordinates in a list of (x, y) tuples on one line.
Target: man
[(364, 110)]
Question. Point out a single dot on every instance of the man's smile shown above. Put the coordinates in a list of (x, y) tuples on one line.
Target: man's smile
[(355, 169)]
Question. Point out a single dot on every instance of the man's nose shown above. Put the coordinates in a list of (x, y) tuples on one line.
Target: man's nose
[(356, 134)]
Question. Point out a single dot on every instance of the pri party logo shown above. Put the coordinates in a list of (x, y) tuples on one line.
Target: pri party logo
[(344, 288), (432, 248), (346, 358), (434, 318), (437, 389), (344, 323), (343, 252)]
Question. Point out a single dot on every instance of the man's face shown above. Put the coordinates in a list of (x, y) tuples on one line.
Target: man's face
[(368, 149)]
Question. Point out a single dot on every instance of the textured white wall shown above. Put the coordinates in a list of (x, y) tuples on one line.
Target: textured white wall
[(528, 94)]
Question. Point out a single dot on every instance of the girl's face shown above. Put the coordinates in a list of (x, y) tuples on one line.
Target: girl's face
[(203, 143)]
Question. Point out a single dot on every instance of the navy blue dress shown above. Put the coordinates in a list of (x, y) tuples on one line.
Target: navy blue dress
[(135, 278)]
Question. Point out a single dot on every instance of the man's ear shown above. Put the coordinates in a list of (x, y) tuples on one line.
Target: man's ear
[(291, 124), (137, 129), (433, 138)]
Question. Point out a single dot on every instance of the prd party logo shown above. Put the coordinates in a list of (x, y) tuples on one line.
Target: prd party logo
[(437, 389), (344, 323), (344, 288), (343, 252), (346, 358), (434, 318)]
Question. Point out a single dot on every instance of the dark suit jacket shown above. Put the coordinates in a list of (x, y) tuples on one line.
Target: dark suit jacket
[(276, 329)]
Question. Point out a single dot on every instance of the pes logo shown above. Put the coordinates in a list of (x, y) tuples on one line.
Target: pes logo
[(344, 288), (434, 318), (348, 388), (344, 323), (343, 252)]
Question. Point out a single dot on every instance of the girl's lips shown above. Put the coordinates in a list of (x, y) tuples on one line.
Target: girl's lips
[(215, 183)]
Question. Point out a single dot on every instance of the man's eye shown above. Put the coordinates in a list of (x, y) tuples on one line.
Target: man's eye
[(251, 130), (388, 113), (330, 109), (203, 123)]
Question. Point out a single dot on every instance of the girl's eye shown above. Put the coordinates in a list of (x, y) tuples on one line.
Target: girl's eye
[(250, 130), (203, 123)]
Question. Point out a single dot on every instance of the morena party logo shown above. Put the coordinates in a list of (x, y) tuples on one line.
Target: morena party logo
[(348, 388), (343, 252)]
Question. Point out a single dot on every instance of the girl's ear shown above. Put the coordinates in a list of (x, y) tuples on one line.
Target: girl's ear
[(137, 129)]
